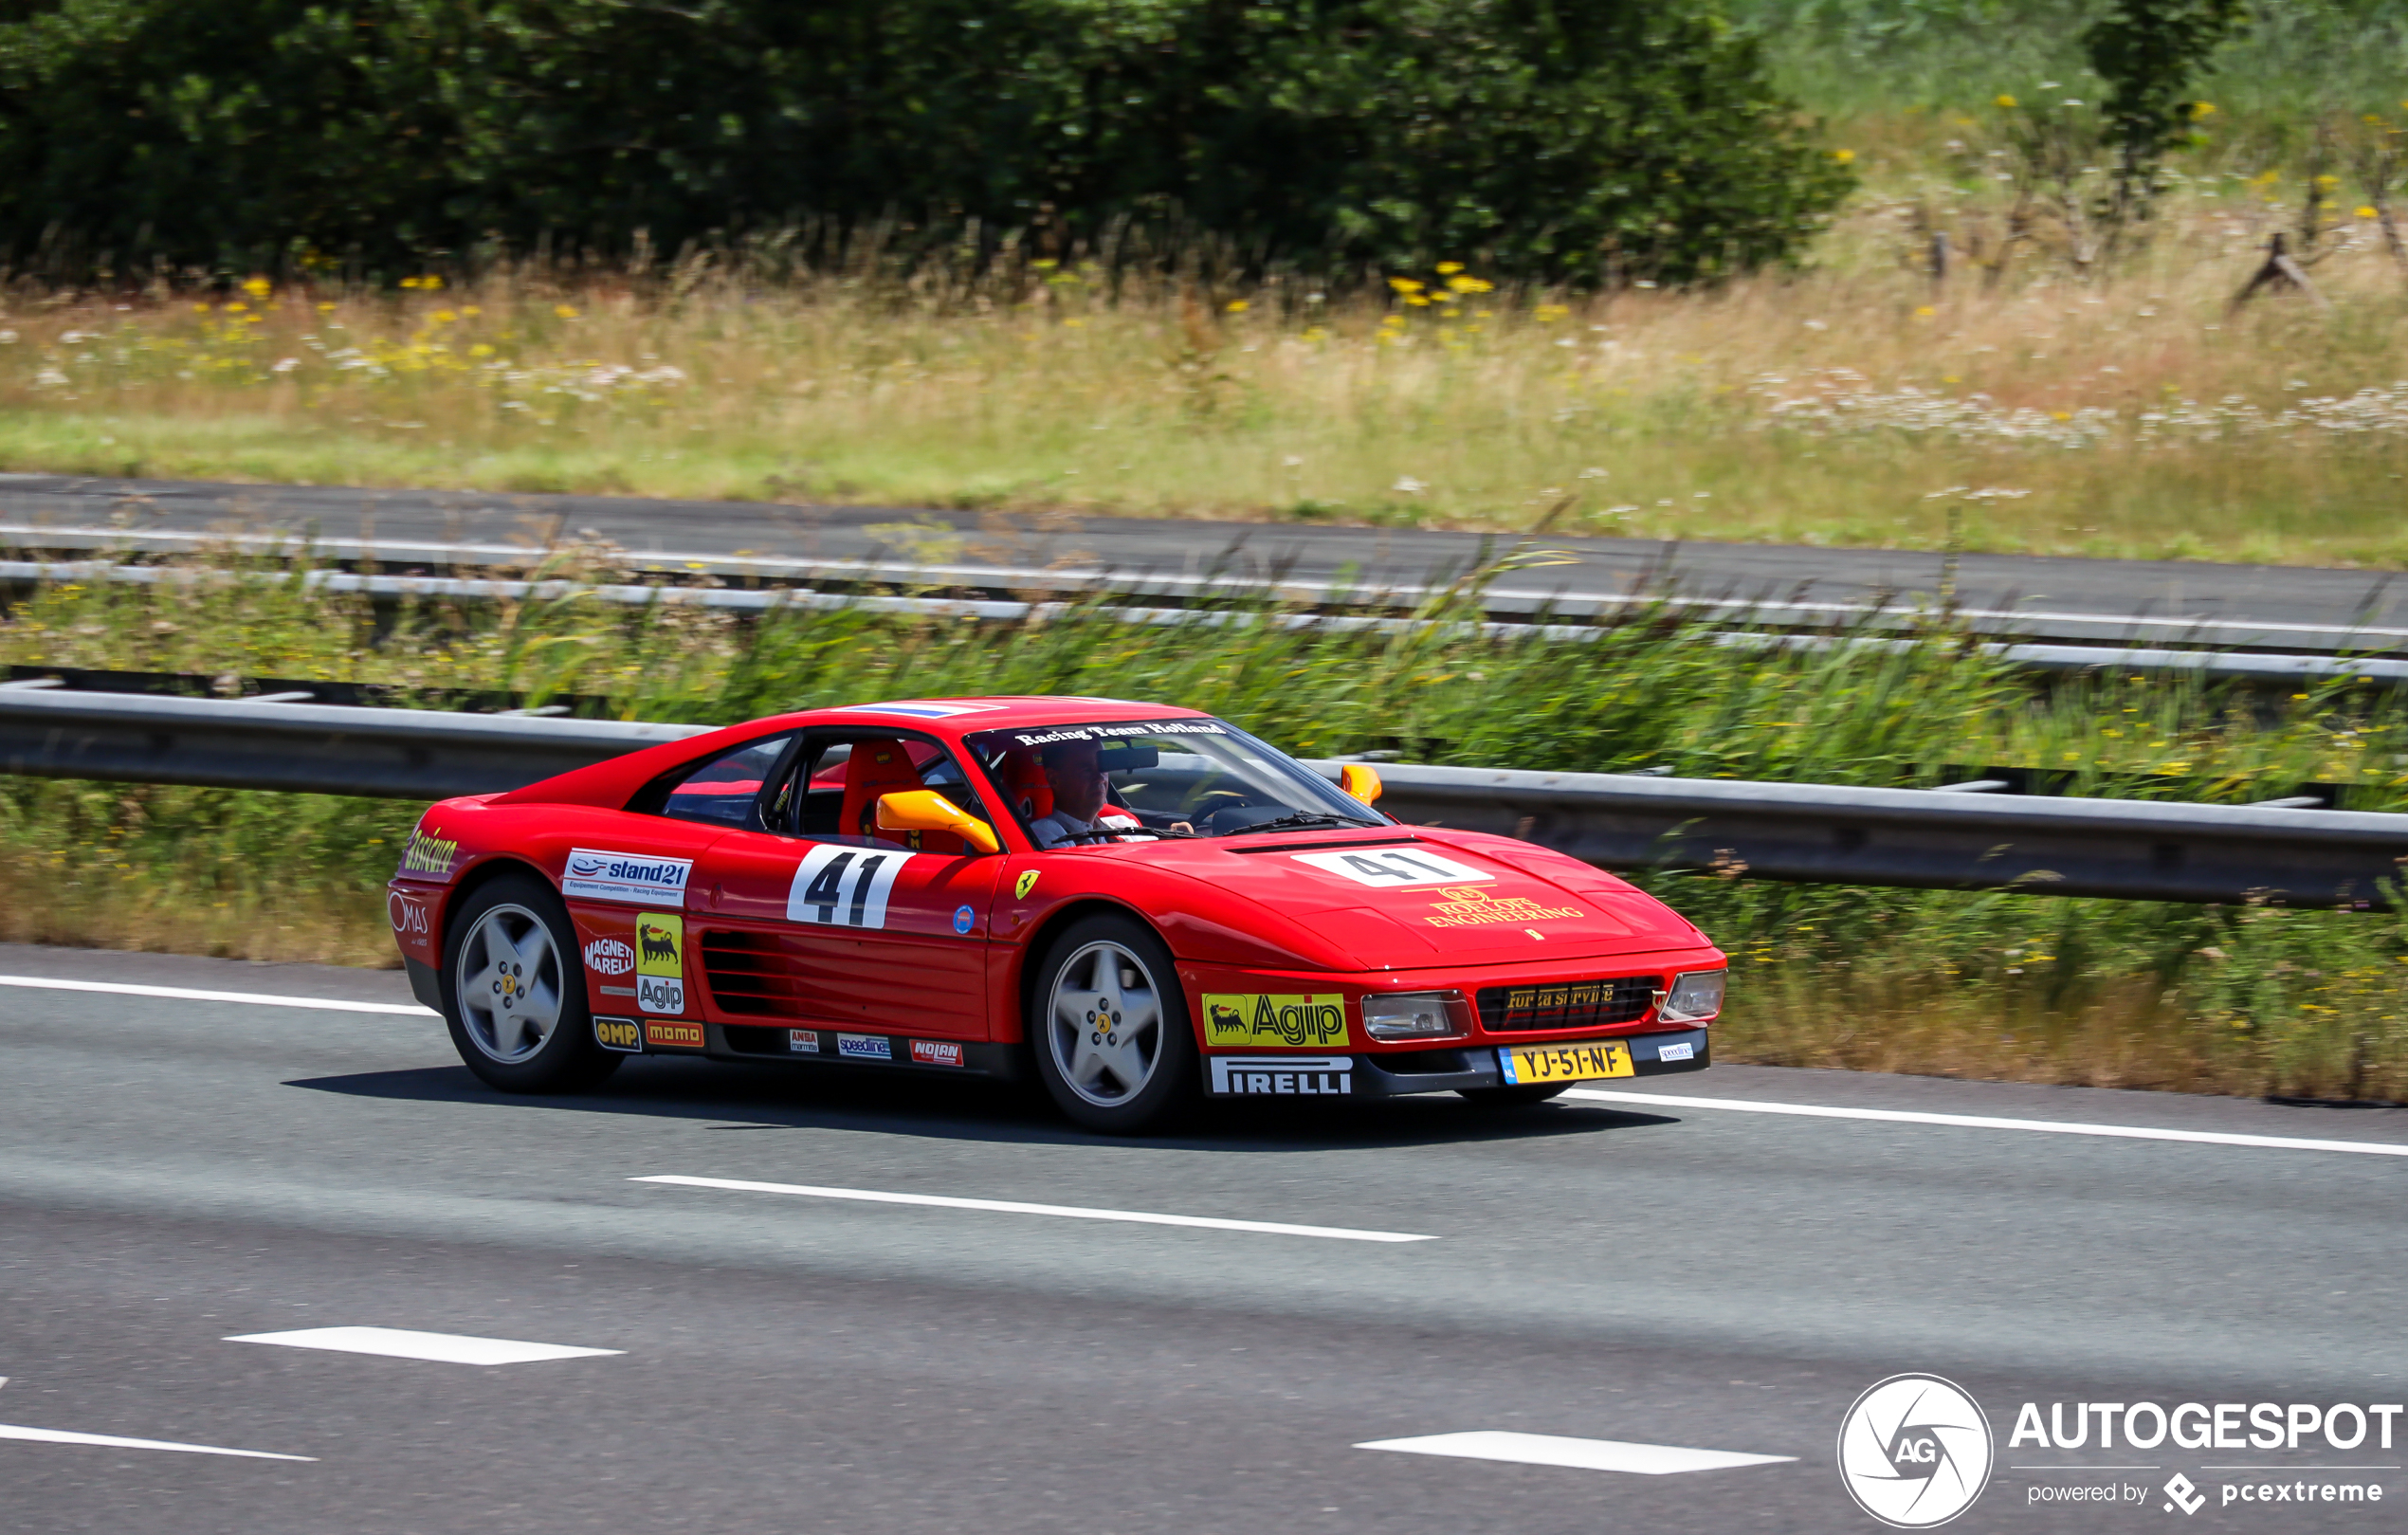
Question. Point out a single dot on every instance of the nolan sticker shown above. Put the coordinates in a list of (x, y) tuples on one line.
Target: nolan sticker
[(1258, 1019), (674, 1036), (658, 993), (1027, 882), (426, 854), (1394, 869), (660, 944), (409, 917), (609, 957), (1467, 905), (964, 918), (619, 1034), (1681, 1052), (936, 1052), (803, 1041), (1283, 1076), (591, 875), (844, 887), (864, 1046)]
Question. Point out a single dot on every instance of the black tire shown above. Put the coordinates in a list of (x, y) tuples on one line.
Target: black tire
[(565, 1058), (1085, 1070), (1520, 1096)]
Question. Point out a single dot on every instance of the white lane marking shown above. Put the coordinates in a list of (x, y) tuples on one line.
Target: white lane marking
[(189, 994), (1580, 1455), (1015, 1207), (400, 1342), (1986, 1122), (110, 1442)]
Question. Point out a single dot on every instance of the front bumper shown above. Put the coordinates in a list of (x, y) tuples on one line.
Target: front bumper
[(1399, 1073)]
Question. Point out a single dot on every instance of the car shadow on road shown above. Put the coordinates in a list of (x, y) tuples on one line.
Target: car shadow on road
[(773, 1099)]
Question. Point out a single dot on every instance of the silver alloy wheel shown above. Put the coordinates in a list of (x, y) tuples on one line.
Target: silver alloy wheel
[(509, 984), (1104, 1026)]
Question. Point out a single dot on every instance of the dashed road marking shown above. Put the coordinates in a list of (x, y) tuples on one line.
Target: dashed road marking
[(1579, 1454), (193, 993), (1015, 1207), (1986, 1122), (441, 1347), (111, 1441)]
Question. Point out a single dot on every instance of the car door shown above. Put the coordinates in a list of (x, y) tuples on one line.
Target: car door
[(809, 924)]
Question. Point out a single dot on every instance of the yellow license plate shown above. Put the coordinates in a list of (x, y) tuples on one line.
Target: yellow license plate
[(1531, 1064)]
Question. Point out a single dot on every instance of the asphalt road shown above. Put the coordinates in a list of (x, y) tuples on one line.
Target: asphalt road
[(175, 1173), (2187, 589)]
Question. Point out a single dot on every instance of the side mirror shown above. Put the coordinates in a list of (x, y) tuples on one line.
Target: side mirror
[(924, 810), (1361, 780)]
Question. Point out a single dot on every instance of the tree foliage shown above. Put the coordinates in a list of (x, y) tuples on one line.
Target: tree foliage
[(2150, 53), (1557, 140)]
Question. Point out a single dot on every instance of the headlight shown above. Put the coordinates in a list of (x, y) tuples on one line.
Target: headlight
[(1411, 1015), (1695, 997)]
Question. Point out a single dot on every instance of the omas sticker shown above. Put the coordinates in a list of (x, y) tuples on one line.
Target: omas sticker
[(1394, 869), (609, 957), (1255, 1019), (674, 1036), (619, 1034), (625, 876), (1467, 905), (409, 917), (844, 887), (1283, 1076), (660, 963), (428, 855)]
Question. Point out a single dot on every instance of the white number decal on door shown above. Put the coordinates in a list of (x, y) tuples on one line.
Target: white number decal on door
[(844, 887), (1395, 868)]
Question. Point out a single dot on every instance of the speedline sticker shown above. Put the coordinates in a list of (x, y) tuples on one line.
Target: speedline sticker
[(844, 887)]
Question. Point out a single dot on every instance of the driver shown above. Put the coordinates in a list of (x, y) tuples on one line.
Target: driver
[(1074, 771)]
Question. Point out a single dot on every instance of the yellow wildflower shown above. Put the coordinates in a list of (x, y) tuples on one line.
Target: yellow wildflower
[(1238, 306), (2364, 212), (2006, 101), (1447, 268), (565, 311), (1404, 285), (1470, 284), (1845, 157)]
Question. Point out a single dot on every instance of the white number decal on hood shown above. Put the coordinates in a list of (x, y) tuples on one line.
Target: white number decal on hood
[(1396, 869)]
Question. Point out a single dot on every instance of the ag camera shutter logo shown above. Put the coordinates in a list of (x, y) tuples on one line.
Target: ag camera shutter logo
[(1915, 1450)]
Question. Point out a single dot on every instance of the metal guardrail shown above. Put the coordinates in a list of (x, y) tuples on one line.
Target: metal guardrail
[(2209, 666), (2129, 849)]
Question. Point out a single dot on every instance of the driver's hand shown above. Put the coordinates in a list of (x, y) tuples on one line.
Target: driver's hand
[(1182, 829)]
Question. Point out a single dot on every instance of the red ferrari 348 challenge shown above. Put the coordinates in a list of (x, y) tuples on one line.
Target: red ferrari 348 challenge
[(1139, 903)]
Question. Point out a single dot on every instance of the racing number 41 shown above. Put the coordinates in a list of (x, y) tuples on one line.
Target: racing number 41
[(844, 887)]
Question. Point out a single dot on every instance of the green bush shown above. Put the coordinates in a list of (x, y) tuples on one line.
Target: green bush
[(1558, 142)]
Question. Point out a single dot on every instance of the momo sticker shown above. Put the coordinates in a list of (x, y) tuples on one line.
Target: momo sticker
[(623, 1035), (674, 1036), (844, 887), (1394, 869), (1258, 1019), (592, 876)]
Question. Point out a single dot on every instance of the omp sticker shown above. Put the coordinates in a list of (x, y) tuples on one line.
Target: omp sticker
[(425, 854), (1283, 1076), (844, 887), (676, 1036), (625, 876), (1681, 1052), (803, 1041), (408, 916), (1467, 905), (618, 1033), (866, 1046), (1259, 1019), (609, 957), (1027, 882), (660, 944), (1392, 869), (936, 1052)]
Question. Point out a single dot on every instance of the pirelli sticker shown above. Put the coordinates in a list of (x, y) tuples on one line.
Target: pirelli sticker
[(1257, 1020)]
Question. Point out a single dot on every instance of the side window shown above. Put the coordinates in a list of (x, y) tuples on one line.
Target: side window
[(825, 774), (726, 790)]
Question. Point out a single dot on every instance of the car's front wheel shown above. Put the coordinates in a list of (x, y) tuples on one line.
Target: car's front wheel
[(1109, 1026), (513, 994)]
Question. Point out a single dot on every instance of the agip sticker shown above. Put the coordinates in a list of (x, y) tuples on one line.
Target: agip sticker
[(1260, 1019)]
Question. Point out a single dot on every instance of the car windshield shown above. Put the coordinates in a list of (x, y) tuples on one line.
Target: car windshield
[(1077, 784)]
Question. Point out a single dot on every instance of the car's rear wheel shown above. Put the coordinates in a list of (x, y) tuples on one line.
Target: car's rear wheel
[(1109, 1026), (513, 994), (1514, 1097)]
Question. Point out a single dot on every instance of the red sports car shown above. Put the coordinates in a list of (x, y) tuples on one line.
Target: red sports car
[(1136, 902)]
